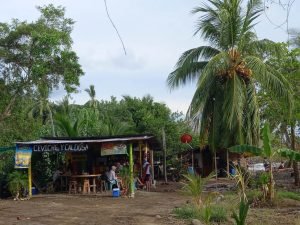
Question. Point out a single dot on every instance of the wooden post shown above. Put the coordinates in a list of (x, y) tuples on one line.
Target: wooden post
[(227, 156), (131, 185), (152, 164), (165, 153), (193, 161), (29, 180), (216, 168), (141, 159)]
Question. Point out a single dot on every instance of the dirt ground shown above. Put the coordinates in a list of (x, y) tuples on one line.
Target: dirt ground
[(146, 208)]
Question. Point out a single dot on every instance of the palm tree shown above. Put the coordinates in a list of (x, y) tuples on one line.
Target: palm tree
[(67, 126), (42, 106), (228, 73), (92, 93)]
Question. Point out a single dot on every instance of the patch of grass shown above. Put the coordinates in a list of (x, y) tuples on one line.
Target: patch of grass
[(187, 212), (289, 195), (213, 213), (219, 214)]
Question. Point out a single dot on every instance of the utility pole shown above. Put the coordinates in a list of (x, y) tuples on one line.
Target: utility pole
[(165, 154)]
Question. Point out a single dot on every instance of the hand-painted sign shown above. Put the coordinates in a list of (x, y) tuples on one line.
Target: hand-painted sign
[(23, 156), (72, 147), (113, 149)]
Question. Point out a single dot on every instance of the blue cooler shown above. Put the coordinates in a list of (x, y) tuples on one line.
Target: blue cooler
[(116, 192), (34, 191)]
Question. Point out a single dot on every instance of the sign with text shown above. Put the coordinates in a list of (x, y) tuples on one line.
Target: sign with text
[(23, 156), (113, 149), (71, 147)]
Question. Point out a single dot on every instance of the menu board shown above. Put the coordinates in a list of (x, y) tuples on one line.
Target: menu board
[(113, 149)]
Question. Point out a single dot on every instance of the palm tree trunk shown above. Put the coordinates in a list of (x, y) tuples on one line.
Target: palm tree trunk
[(295, 163)]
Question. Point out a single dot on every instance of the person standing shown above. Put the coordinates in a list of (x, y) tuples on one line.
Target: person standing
[(147, 176)]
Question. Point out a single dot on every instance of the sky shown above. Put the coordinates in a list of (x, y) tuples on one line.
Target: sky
[(155, 34)]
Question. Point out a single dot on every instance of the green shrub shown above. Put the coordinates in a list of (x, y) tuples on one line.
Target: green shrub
[(187, 212), (17, 181), (194, 187), (253, 195)]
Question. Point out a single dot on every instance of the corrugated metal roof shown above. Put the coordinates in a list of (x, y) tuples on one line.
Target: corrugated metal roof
[(85, 140)]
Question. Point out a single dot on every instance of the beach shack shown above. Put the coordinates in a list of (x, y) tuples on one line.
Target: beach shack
[(90, 157)]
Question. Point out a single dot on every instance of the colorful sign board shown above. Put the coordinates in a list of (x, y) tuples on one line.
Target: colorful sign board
[(23, 156), (113, 149)]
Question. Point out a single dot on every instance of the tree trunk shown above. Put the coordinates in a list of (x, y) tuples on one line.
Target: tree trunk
[(165, 154), (295, 163), (52, 123), (7, 111)]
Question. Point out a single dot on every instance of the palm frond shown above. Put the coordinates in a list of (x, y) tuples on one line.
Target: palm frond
[(189, 66), (185, 74), (253, 11), (270, 79), (234, 101), (290, 154)]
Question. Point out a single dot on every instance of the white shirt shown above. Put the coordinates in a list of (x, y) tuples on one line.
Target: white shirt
[(148, 167), (111, 175)]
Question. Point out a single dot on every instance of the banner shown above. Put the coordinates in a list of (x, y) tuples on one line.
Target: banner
[(113, 149), (23, 156), (70, 147)]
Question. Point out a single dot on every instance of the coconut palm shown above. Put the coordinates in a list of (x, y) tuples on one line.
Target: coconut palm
[(228, 73)]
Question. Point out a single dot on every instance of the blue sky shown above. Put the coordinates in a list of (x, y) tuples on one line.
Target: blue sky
[(155, 33)]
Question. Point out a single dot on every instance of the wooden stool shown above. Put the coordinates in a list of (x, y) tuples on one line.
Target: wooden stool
[(86, 186), (73, 187)]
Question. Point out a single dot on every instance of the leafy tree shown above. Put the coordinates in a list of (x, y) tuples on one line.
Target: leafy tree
[(228, 73), (42, 107), (37, 52), (283, 121), (18, 127)]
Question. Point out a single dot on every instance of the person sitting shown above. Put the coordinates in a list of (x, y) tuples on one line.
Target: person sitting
[(55, 180), (138, 184), (111, 176)]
